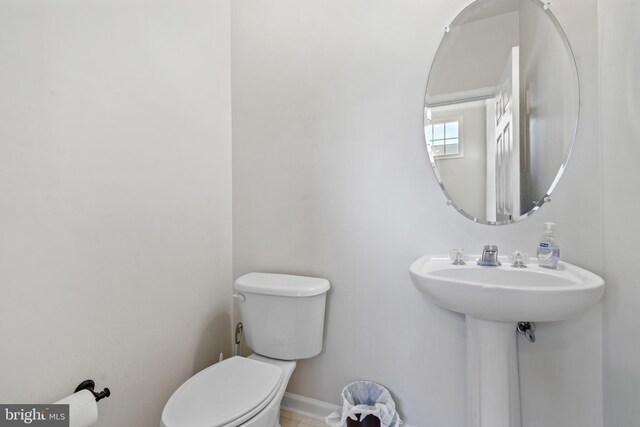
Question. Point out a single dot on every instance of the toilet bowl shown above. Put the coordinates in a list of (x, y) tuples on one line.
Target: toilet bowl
[(235, 392), (283, 318)]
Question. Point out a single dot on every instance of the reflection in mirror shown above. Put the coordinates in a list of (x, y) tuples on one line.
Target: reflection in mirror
[(501, 109)]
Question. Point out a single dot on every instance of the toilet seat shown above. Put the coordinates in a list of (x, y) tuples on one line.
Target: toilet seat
[(227, 394)]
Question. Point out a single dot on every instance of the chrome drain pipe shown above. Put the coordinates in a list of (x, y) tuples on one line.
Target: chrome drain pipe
[(528, 329)]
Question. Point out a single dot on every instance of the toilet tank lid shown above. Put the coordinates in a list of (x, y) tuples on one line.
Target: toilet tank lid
[(281, 285)]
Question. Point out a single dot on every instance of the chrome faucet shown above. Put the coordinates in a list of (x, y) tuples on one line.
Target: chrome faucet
[(490, 256)]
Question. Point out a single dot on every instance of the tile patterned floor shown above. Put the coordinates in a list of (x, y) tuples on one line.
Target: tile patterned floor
[(289, 419)]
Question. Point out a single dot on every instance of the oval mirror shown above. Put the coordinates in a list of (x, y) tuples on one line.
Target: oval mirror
[(501, 109)]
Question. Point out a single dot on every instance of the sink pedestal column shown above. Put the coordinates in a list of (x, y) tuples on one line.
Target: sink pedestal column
[(493, 389)]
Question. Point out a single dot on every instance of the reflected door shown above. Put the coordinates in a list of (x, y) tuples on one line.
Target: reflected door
[(507, 146)]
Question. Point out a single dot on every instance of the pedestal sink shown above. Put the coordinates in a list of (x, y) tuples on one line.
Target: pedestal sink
[(494, 300)]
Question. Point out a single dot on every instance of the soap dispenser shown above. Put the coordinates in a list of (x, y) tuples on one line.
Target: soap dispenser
[(548, 250)]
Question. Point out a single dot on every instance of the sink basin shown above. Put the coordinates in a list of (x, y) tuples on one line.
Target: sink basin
[(494, 300), (506, 293)]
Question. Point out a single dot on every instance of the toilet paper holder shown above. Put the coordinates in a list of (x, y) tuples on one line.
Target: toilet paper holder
[(90, 385)]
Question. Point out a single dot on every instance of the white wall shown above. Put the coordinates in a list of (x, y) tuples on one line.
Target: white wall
[(620, 130), (331, 178), (115, 199)]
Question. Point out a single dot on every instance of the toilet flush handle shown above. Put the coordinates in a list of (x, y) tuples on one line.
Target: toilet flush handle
[(240, 297)]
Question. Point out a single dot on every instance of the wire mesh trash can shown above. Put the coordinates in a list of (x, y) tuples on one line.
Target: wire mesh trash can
[(365, 404)]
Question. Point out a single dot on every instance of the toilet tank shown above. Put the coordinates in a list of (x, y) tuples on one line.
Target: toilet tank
[(282, 315)]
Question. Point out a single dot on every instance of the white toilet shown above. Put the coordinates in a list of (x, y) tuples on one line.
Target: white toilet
[(283, 321)]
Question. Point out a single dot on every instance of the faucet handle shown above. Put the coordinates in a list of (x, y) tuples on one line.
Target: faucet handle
[(458, 256), (519, 259)]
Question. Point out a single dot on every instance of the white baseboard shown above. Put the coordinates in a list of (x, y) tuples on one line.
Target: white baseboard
[(311, 408), (307, 407)]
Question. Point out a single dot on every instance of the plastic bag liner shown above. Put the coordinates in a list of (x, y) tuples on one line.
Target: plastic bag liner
[(363, 399)]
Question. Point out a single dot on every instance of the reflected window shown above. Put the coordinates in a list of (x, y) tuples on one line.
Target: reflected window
[(444, 138)]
